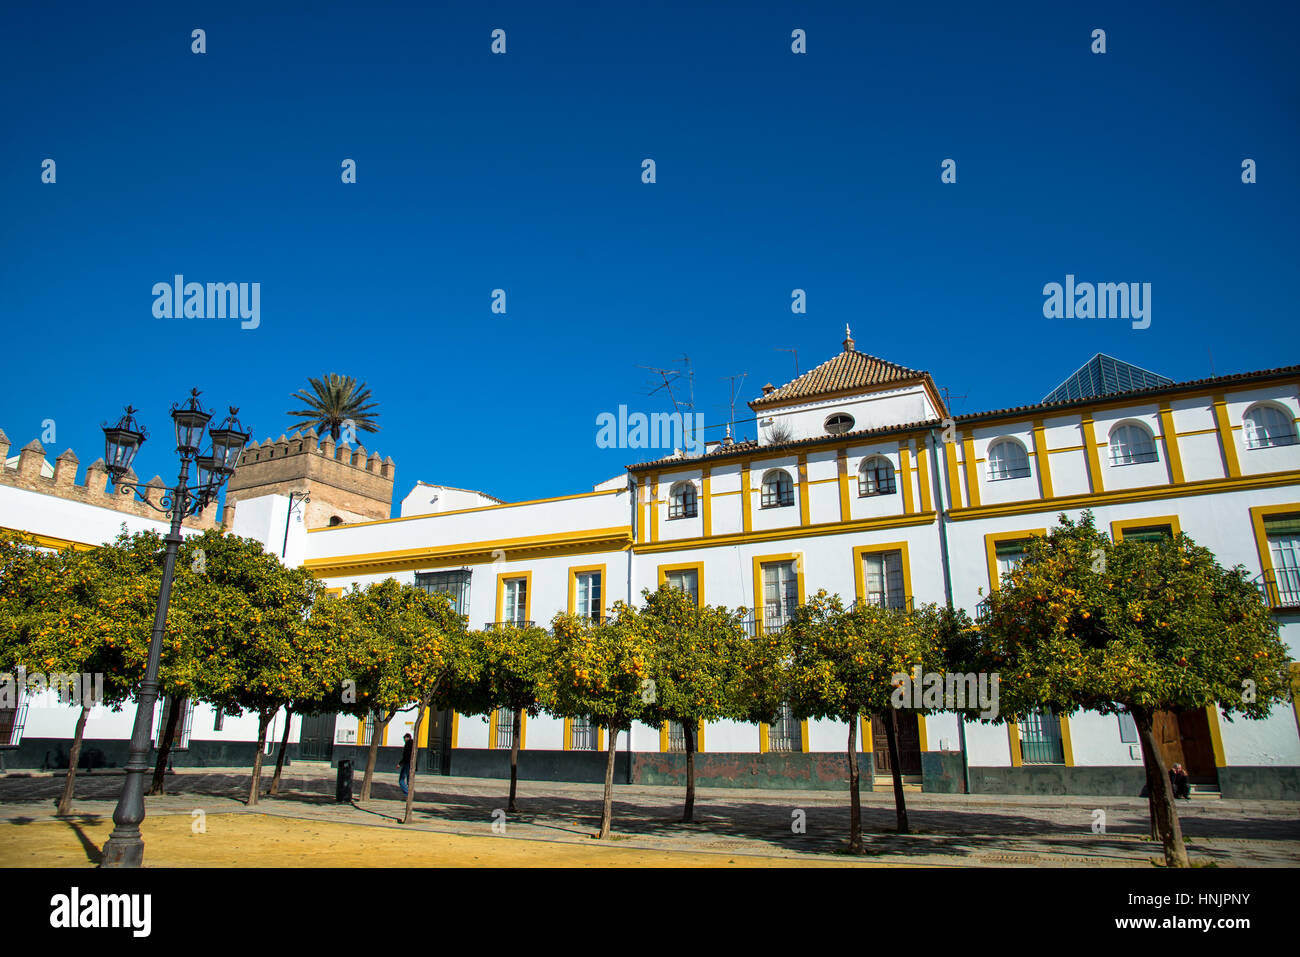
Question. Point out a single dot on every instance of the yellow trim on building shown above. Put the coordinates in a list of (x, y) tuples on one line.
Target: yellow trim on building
[(1170, 435), (706, 504), (502, 578), (654, 508), (1067, 743), (991, 543), (1257, 515), (861, 551), (492, 729), (1118, 528), (868, 742), (1095, 483), (921, 734), (455, 729), (746, 500), (779, 534), (905, 473), (697, 567), (954, 480), (574, 572), (972, 470), (923, 474), (842, 476), (1216, 735), (1013, 739), (1044, 460), (803, 489), (803, 736), (1227, 441), (423, 740), (762, 738), (50, 541)]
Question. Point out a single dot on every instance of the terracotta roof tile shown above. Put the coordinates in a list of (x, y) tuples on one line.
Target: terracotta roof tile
[(848, 370)]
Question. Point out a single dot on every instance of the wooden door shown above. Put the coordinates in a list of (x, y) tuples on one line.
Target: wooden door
[(909, 744)]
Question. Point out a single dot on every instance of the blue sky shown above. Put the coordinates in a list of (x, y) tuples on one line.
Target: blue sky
[(522, 172)]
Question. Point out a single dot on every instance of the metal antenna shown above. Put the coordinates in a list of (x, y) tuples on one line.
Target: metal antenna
[(948, 397), (796, 358), (735, 391)]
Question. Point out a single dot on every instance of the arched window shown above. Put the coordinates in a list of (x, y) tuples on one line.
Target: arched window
[(682, 501), (1268, 425), (1007, 460), (839, 423), (1131, 443), (778, 490), (876, 477)]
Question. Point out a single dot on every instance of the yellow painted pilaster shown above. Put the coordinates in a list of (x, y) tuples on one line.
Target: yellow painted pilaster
[(923, 474), (1044, 463), (972, 469), (1090, 453), (1170, 435), (1227, 441), (803, 491), (746, 506), (842, 474), (905, 475), (706, 506)]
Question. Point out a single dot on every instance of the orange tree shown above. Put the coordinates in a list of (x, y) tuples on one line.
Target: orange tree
[(599, 671), (510, 659), (252, 640), (1143, 627), (844, 664), (697, 661)]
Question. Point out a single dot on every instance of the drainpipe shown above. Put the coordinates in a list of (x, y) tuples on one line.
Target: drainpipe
[(941, 508)]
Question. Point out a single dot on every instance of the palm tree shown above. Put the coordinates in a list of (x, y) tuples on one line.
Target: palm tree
[(337, 400)]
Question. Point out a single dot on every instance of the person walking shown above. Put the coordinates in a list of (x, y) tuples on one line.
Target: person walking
[(404, 767)]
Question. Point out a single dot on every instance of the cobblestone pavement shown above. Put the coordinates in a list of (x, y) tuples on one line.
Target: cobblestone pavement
[(975, 830)]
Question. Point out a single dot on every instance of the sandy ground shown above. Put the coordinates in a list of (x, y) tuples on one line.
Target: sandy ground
[(256, 840)]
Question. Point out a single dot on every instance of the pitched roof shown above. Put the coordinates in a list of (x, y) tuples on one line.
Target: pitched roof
[(848, 370), (1104, 375)]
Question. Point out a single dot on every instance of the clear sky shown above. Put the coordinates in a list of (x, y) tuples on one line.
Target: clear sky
[(523, 172)]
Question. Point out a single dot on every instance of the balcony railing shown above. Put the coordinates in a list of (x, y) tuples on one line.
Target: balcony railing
[(982, 612), (497, 625), (771, 624), (1280, 587), (894, 602)]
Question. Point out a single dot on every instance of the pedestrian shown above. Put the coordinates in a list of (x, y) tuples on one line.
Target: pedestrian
[(1179, 782), (404, 767)]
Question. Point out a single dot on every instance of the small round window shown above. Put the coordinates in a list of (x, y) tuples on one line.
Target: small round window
[(839, 423)]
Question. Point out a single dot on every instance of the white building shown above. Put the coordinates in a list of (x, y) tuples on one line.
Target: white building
[(858, 484)]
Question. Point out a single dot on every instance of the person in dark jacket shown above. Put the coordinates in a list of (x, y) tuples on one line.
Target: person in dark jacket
[(1178, 780), (404, 767)]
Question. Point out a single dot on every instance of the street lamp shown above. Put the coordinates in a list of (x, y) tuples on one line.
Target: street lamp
[(125, 848)]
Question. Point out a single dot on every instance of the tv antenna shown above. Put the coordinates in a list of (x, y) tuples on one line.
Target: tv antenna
[(796, 358), (948, 397), (669, 376), (735, 391)]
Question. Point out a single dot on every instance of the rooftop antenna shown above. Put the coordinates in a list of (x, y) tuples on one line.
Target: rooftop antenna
[(1211, 354), (735, 391), (948, 397), (670, 376), (796, 358)]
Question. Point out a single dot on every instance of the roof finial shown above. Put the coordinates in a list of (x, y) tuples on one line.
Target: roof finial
[(848, 339)]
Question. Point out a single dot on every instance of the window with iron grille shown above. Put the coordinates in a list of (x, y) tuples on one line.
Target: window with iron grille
[(218, 720), (684, 579), (778, 489), (586, 596), (583, 735), (876, 477), (1283, 534), (453, 584), (676, 736), (780, 593), (1007, 460), (505, 736), (839, 423), (1040, 738), (1131, 445), (182, 740), (786, 734), (1268, 425), (367, 730), (11, 725), (882, 579), (683, 502)]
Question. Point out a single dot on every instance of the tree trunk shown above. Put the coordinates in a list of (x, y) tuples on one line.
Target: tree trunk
[(855, 798), (168, 736), (372, 755), (284, 746), (688, 813), (263, 722), (517, 730), (607, 810), (1171, 832), (74, 755), (900, 803), (1151, 796), (415, 761)]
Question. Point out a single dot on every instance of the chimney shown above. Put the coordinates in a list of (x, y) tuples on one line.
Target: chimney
[(769, 389)]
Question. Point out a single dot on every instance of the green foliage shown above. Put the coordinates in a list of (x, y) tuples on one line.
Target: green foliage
[(598, 669), (1149, 626), (507, 663)]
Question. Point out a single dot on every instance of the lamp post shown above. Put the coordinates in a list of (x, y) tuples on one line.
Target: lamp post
[(125, 848)]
